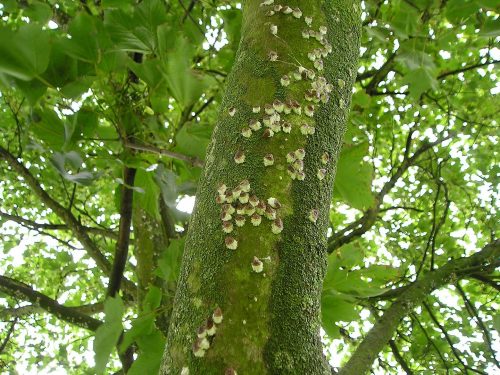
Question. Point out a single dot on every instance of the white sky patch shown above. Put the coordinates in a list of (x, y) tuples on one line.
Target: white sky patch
[(186, 204), (445, 55), (52, 25), (215, 36)]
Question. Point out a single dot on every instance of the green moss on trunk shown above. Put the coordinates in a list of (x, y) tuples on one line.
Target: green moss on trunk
[(150, 241), (270, 319)]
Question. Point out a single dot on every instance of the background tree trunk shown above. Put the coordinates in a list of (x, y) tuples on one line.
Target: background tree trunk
[(152, 238), (271, 320)]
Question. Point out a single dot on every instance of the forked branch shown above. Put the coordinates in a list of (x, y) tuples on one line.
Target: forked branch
[(483, 261)]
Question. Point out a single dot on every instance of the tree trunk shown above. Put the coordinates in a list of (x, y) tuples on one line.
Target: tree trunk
[(152, 237), (270, 319)]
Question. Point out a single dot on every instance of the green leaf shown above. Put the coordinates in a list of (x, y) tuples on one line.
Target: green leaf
[(488, 4), (33, 90), (364, 282), (9, 242), (149, 199), (380, 274), (59, 160), (86, 121), (187, 174), (48, 127), (405, 20), (120, 4), (167, 181), (142, 326), (38, 12), (106, 336), (362, 99), (185, 84), (76, 88), (24, 53), (490, 29), (496, 322), (9, 5), (88, 38), (150, 355), (335, 308), (151, 14), (170, 261), (113, 61), (354, 177), (458, 10), (136, 32), (414, 58), (193, 139), (331, 329), (348, 256), (420, 81), (159, 99), (74, 159), (232, 26), (153, 299), (166, 40), (127, 34), (377, 33), (113, 310), (62, 68), (148, 71)]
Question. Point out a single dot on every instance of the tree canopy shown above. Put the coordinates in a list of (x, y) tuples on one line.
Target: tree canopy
[(91, 88)]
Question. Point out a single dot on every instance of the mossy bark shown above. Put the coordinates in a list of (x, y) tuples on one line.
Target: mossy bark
[(152, 237), (150, 241), (271, 319)]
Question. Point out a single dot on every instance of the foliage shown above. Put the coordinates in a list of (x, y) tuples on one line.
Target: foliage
[(90, 87)]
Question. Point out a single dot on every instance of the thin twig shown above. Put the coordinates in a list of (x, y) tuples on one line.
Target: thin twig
[(195, 162)]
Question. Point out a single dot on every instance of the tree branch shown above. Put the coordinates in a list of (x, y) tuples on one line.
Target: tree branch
[(445, 333), (475, 315), (23, 291), (430, 341), (50, 226), (188, 13), (64, 214), (59, 210), (188, 10), (466, 68), (384, 328), (202, 108), (364, 223), (195, 162), (486, 280), (399, 357), (5, 341), (380, 74), (90, 309), (121, 250)]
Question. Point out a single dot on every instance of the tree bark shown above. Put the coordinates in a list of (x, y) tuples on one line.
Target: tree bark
[(152, 238), (271, 319)]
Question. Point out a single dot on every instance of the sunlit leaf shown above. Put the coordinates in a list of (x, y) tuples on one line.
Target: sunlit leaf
[(106, 336), (354, 177), (169, 262), (25, 52)]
